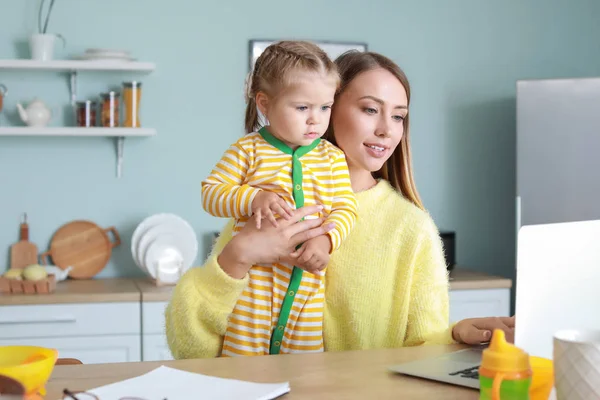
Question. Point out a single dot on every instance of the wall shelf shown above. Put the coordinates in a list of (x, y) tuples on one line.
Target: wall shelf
[(77, 65), (76, 131), (72, 68)]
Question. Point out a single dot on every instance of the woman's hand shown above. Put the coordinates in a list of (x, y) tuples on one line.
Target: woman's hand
[(479, 330), (270, 244)]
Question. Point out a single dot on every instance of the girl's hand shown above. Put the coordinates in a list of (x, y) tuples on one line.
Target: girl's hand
[(266, 204), (479, 330), (270, 244), (313, 255)]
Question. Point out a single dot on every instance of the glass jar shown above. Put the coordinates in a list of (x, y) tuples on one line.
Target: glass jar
[(86, 113), (132, 92), (109, 109), (3, 93)]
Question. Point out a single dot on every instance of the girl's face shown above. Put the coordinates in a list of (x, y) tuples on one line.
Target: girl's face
[(368, 119), (300, 114)]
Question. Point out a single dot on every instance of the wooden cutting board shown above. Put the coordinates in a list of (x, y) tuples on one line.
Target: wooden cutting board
[(82, 245), (23, 253)]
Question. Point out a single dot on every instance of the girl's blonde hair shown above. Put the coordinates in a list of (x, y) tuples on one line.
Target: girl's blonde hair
[(275, 70), (398, 168)]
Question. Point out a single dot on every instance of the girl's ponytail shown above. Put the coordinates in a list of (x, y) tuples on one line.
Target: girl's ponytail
[(251, 122)]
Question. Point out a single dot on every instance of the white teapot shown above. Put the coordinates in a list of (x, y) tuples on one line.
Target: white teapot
[(36, 114)]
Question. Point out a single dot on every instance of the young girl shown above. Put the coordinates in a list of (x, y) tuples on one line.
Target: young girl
[(275, 168)]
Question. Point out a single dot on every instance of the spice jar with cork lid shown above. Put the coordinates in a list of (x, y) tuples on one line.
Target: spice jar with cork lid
[(109, 109), (132, 93), (86, 113)]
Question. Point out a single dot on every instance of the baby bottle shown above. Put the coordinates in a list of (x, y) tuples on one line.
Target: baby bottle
[(505, 372)]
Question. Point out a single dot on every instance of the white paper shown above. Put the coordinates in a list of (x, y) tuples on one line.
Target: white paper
[(174, 384)]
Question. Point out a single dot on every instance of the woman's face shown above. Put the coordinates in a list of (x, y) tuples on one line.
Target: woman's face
[(368, 119)]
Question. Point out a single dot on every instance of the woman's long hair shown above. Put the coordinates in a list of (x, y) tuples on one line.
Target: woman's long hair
[(398, 168)]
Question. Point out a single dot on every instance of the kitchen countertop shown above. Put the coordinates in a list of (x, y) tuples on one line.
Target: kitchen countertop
[(150, 292), (465, 279), (80, 291), (136, 289)]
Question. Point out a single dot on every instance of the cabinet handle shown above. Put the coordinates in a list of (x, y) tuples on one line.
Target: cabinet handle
[(51, 320)]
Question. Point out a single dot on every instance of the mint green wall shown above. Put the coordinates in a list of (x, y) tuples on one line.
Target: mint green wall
[(462, 57)]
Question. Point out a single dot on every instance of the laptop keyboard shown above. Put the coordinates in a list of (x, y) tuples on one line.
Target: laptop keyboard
[(467, 373)]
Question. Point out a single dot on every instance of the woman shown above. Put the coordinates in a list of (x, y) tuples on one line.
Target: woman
[(387, 285)]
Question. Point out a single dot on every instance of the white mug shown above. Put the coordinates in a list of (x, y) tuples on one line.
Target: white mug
[(42, 45), (576, 357)]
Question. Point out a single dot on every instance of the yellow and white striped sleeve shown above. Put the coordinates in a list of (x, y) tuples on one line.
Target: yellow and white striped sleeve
[(344, 209), (223, 192)]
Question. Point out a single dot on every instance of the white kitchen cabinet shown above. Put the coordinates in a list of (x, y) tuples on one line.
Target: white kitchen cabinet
[(88, 349), (154, 339), (155, 348), (472, 303), (90, 332), (477, 294), (52, 320)]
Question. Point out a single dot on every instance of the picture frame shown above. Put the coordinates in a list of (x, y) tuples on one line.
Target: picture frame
[(332, 48)]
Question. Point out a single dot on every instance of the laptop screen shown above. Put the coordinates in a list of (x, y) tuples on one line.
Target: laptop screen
[(558, 282)]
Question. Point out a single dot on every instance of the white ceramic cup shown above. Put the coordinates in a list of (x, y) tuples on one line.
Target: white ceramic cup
[(576, 357), (42, 46)]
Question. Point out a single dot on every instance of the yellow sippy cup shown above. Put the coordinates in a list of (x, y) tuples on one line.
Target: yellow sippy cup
[(505, 372)]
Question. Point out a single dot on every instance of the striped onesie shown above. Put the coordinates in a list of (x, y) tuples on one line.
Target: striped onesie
[(281, 308)]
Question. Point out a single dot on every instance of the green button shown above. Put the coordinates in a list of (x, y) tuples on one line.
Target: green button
[(291, 293), (280, 328), (277, 344), (298, 187)]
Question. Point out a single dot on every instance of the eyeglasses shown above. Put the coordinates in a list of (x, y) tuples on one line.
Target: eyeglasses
[(70, 395)]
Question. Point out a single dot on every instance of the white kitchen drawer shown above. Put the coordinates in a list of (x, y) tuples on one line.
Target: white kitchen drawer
[(479, 303), (155, 348), (60, 320), (90, 349), (153, 317)]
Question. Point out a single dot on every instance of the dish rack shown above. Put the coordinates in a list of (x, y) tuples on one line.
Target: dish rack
[(164, 246)]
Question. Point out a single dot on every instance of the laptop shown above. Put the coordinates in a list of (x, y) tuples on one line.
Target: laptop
[(558, 287)]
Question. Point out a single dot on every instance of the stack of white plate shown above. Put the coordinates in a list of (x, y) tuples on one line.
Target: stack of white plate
[(164, 246), (107, 55)]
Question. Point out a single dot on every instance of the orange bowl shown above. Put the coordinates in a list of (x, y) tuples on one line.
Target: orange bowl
[(29, 365)]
